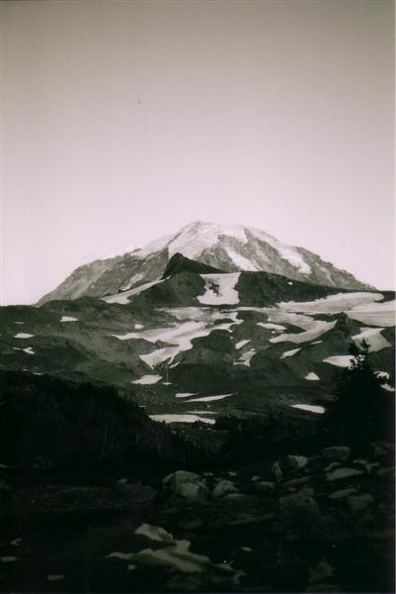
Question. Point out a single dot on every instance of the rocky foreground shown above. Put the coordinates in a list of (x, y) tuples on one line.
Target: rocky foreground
[(322, 523)]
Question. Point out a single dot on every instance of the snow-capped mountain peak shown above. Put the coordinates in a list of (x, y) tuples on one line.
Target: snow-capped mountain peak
[(228, 248)]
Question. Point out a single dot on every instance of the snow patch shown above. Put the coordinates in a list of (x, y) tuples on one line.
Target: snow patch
[(181, 418), (315, 328), (294, 258), (312, 376), (185, 394), (290, 353), (29, 351), (220, 289), (344, 361), (241, 344), (240, 261), (23, 335), (68, 319), (246, 358), (341, 302), (271, 326), (123, 298), (181, 336), (382, 375), (148, 379), (209, 398), (310, 407)]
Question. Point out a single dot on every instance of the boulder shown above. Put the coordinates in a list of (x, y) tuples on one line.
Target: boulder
[(277, 472), (299, 511), (359, 503), (265, 486), (343, 473), (342, 493), (222, 488), (186, 486), (336, 453), (297, 462)]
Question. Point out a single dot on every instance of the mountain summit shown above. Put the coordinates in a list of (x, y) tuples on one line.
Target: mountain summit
[(225, 248)]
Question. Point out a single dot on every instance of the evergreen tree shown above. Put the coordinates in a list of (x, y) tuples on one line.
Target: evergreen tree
[(362, 410)]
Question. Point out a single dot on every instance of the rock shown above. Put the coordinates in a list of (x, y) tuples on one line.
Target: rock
[(277, 472), (336, 453), (234, 497), (369, 467), (380, 450), (307, 491), (359, 503), (386, 472), (298, 511), (265, 486), (136, 494), (332, 466), (297, 482), (342, 493), (222, 488), (297, 462), (343, 473), (186, 486), (320, 572)]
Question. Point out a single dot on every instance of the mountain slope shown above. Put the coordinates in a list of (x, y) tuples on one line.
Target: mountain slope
[(194, 345), (225, 248)]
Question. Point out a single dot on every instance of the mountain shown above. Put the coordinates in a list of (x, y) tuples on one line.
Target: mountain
[(197, 343), (225, 248)]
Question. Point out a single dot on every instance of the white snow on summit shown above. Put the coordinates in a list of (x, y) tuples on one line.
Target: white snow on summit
[(195, 238)]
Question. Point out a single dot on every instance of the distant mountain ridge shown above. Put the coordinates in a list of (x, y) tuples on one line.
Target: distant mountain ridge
[(219, 247)]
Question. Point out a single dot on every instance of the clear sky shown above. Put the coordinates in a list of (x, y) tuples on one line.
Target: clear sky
[(124, 121)]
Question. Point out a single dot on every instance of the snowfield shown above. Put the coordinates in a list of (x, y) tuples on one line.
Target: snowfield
[(342, 302), (220, 289), (374, 337), (179, 336), (375, 314), (314, 330)]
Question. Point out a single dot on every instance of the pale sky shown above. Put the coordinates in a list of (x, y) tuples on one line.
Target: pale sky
[(124, 121)]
